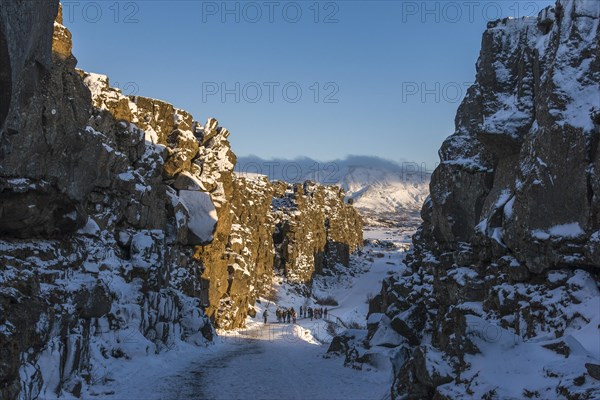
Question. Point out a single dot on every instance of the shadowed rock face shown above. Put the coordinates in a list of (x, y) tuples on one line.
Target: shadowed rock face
[(519, 175), (5, 79), (43, 111), (514, 204), (85, 248), (25, 46)]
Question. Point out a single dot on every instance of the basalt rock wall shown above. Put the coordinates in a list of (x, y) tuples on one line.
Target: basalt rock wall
[(315, 229), (259, 226)]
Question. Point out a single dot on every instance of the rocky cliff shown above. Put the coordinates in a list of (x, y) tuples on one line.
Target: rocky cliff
[(123, 229), (503, 278), (234, 245), (314, 229), (91, 266)]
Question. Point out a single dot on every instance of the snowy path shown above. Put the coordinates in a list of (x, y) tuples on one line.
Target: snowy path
[(273, 361)]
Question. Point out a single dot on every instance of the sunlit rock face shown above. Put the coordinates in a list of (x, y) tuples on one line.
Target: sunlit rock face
[(241, 228), (510, 236), (315, 229), (123, 229)]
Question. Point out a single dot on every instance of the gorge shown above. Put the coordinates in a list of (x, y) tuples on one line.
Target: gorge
[(137, 262)]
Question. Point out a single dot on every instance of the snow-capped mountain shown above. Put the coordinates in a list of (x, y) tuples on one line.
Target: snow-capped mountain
[(385, 192)]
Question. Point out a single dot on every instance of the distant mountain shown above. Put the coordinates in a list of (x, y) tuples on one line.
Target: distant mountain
[(385, 192)]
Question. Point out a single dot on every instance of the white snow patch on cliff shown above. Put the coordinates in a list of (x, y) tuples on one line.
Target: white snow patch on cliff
[(202, 211), (570, 230)]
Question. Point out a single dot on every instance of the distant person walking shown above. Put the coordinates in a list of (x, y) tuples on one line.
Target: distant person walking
[(293, 315), (266, 315), (300, 311), (289, 315)]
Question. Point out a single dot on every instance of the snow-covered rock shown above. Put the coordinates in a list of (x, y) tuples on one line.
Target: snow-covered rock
[(203, 215), (500, 299)]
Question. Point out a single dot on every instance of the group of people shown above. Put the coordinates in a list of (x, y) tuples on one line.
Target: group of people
[(286, 314), (316, 313), (289, 314)]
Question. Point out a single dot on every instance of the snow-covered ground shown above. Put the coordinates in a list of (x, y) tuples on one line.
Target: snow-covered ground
[(276, 360)]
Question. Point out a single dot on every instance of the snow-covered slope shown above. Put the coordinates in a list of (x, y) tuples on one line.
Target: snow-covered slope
[(383, 191)]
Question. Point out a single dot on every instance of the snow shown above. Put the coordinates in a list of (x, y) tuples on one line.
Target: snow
[(150, 135), (508, 208), (573, 82), (126, 176), (266, 362), (202, 211), (509, 118), (467, 162), (570, 315), (506, 357), (461, 274), (237, 267), (569, 230), (72, 215), (503, 198), (386, 336), (97, 83), (195, 183), (91, 228), (7, 329), (144, 249), (275, 361), (588, 336)]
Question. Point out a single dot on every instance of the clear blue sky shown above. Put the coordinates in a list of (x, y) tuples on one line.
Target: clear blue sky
[(373, 57)]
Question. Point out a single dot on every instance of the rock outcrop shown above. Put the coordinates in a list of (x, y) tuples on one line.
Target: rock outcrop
[(123, 229), (506, 260), (44, 111), (315, 229)]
